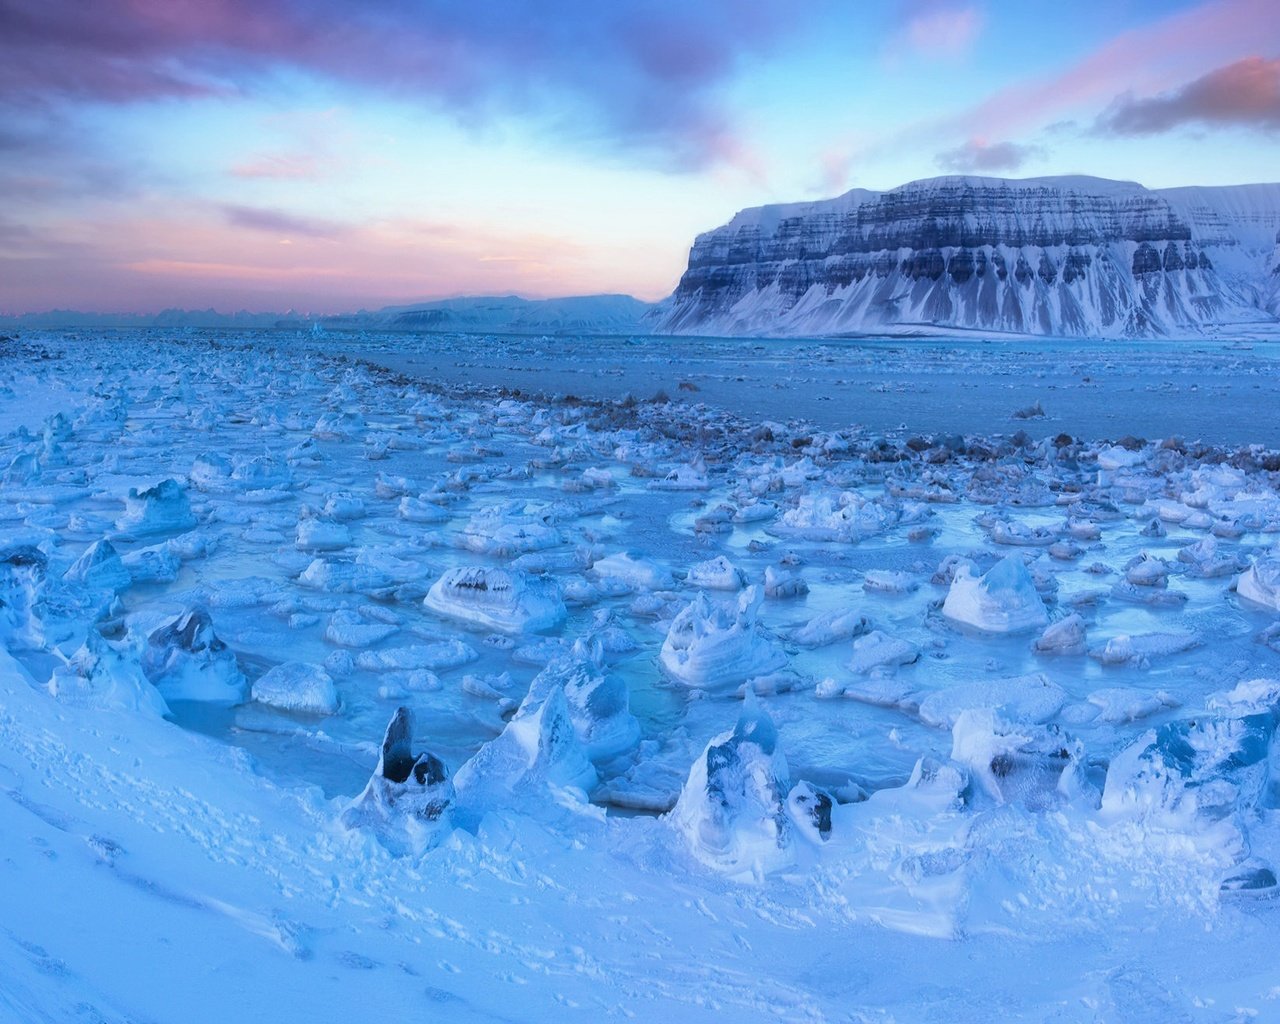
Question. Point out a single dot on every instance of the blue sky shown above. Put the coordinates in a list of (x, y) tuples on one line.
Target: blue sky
[(323, 156)]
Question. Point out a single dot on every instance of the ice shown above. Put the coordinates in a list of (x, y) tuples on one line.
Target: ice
[(880, 653), (162, 508), (1260, 583), (99, 568), (507, 600), (1119, 704), (1138, 650), (888, 581), (186, 661), (717, 574), (1003, 600), (434, 657), (598, 701), (352, 627), (830, 627), (783, 583), (719, 647), (106, 676), (1018, 699), (316, 534), (732, 810), (632, 571), (297, 686), (536, 756), (1064, 637)]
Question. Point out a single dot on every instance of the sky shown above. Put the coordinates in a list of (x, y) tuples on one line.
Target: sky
[(325, 155)]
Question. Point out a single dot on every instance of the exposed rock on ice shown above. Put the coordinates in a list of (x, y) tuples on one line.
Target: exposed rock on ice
[(715, 647), (186, 661), (1260, 583), (297, 686), (809, 809), (106, 676), (598, 702), (732, 810), (507, 600), (163, 508), (407, 790), (1004, 600)]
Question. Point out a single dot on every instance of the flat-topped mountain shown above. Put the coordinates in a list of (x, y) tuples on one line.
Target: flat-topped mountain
[(1068, 256)]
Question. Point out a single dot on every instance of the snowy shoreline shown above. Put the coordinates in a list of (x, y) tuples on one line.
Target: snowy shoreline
[(973, 670)]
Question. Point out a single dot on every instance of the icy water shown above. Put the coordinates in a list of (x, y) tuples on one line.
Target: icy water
[(413, 420), (1221, 392)]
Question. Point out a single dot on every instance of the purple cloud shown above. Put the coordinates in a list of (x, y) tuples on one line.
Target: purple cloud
[(279, 223), (640, 75), (976, 155), (1243, 94)]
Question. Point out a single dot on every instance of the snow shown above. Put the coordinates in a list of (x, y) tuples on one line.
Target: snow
[(571, 789)]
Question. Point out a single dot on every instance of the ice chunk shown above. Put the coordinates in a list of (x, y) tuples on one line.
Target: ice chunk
[(599, 703), (22, 580), (888, 581), (186, 661), (779, 583), (1120, 704), (507, 600), (99, 568), (348, 627), (106, 676), (732, 810), (315, 534), (434, 657), (420, 510), (409, 792), (809, 809), (634, 571), (718, 647), (1017, 699), (538, 752), (1260, 583), (509, 529), (880, 653), (1004, 600), (1140, 649), (830, 627), (717, 574), (297, 686), (163, 508), (1065, 637)]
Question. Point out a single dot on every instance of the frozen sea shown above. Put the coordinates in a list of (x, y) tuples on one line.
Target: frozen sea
[(799, 680)]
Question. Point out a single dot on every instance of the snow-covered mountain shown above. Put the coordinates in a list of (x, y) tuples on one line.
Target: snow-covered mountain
[(1073, 256)]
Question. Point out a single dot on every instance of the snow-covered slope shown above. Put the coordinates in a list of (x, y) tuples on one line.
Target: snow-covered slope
[(1072, 256)]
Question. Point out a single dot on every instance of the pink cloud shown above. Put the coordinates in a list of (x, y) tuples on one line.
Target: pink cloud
[(1246, 93)]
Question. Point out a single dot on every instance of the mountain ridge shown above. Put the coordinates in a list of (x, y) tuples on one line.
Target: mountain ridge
[(1066, 256)]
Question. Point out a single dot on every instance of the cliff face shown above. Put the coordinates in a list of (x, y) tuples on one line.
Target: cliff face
[(1055, 256)]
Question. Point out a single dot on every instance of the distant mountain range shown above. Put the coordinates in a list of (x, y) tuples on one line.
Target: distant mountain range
[(1068, 256), (586, 314), (1065, 257)]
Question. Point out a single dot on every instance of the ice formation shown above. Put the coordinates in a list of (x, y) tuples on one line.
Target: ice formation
[(186, 661), (598, 701), (717, 647), (1260, 583), (297, 686), (733, 807), (507, 600), (163, 508), (1003, 600)]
